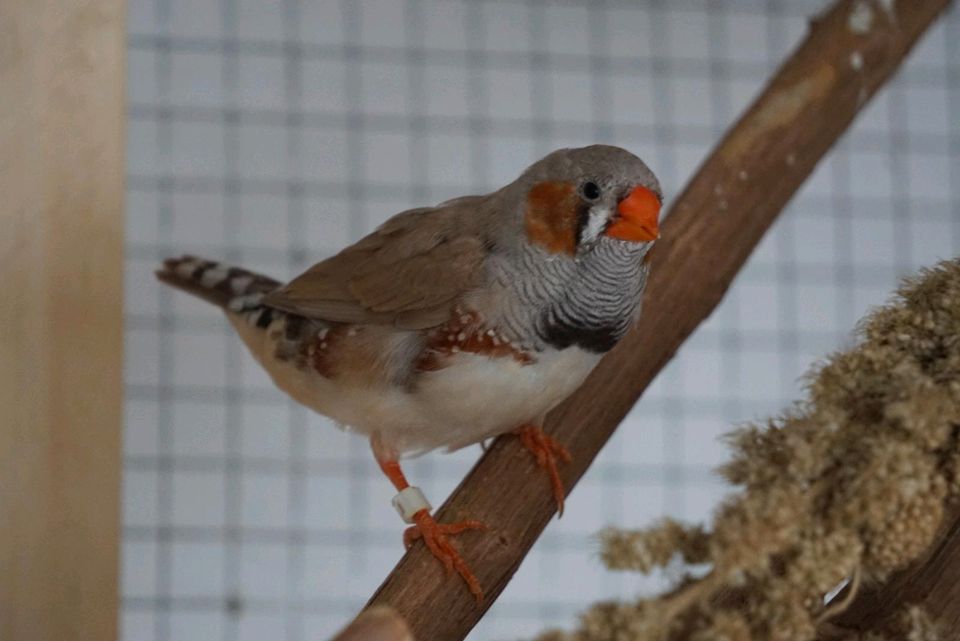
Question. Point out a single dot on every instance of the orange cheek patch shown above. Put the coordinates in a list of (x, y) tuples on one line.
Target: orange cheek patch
[(551, 219)]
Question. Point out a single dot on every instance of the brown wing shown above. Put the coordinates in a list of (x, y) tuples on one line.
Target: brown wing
[(408, 273)]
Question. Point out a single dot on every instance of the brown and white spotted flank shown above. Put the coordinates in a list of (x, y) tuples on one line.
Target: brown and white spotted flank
[(455, 323)]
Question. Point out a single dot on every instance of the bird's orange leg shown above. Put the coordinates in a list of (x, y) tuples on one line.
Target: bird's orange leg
[(547, 450), (434, 534)]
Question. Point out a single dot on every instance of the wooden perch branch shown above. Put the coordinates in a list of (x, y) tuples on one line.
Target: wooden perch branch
[(712, 228)]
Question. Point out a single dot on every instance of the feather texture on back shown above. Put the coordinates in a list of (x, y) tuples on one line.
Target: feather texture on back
[(408, 273)]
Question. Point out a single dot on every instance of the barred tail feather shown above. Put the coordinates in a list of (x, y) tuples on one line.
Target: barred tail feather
[(228, 287), (240, 293)]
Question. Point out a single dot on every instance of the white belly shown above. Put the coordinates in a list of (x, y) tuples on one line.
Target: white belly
[(478, 397), (472, 398)]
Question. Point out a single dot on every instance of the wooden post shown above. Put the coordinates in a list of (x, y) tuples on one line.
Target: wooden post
[(713, 226), (62, 118)]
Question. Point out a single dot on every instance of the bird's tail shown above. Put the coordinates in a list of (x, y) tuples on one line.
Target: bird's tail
[(240, 292), (228, 287)]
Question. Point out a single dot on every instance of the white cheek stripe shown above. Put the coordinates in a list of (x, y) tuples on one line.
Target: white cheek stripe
[(596, 222)]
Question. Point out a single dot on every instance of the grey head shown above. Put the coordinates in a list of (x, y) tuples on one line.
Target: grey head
[(573, 200), (579, 223)]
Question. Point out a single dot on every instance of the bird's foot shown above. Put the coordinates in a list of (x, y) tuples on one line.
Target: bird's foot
[(435, 536), (547, 451)]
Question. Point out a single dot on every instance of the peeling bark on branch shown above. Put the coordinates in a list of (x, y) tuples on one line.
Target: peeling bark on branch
[(712, 228)]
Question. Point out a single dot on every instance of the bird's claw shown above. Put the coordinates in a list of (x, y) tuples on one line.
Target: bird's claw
[(547, 450), (435, 536)]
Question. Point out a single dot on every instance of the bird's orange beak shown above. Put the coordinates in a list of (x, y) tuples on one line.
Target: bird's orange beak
[(637, 217)]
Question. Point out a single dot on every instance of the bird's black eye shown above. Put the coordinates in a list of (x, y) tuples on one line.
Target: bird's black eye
[(590, 190)]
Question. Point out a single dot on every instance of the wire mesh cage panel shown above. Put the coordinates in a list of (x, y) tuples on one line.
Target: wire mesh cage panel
[(272, 134)]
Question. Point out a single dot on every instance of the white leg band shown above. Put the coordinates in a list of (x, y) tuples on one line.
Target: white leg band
[(410, 501)]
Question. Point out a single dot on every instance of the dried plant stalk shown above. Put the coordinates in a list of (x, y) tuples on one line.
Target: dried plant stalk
[(850, 484)]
